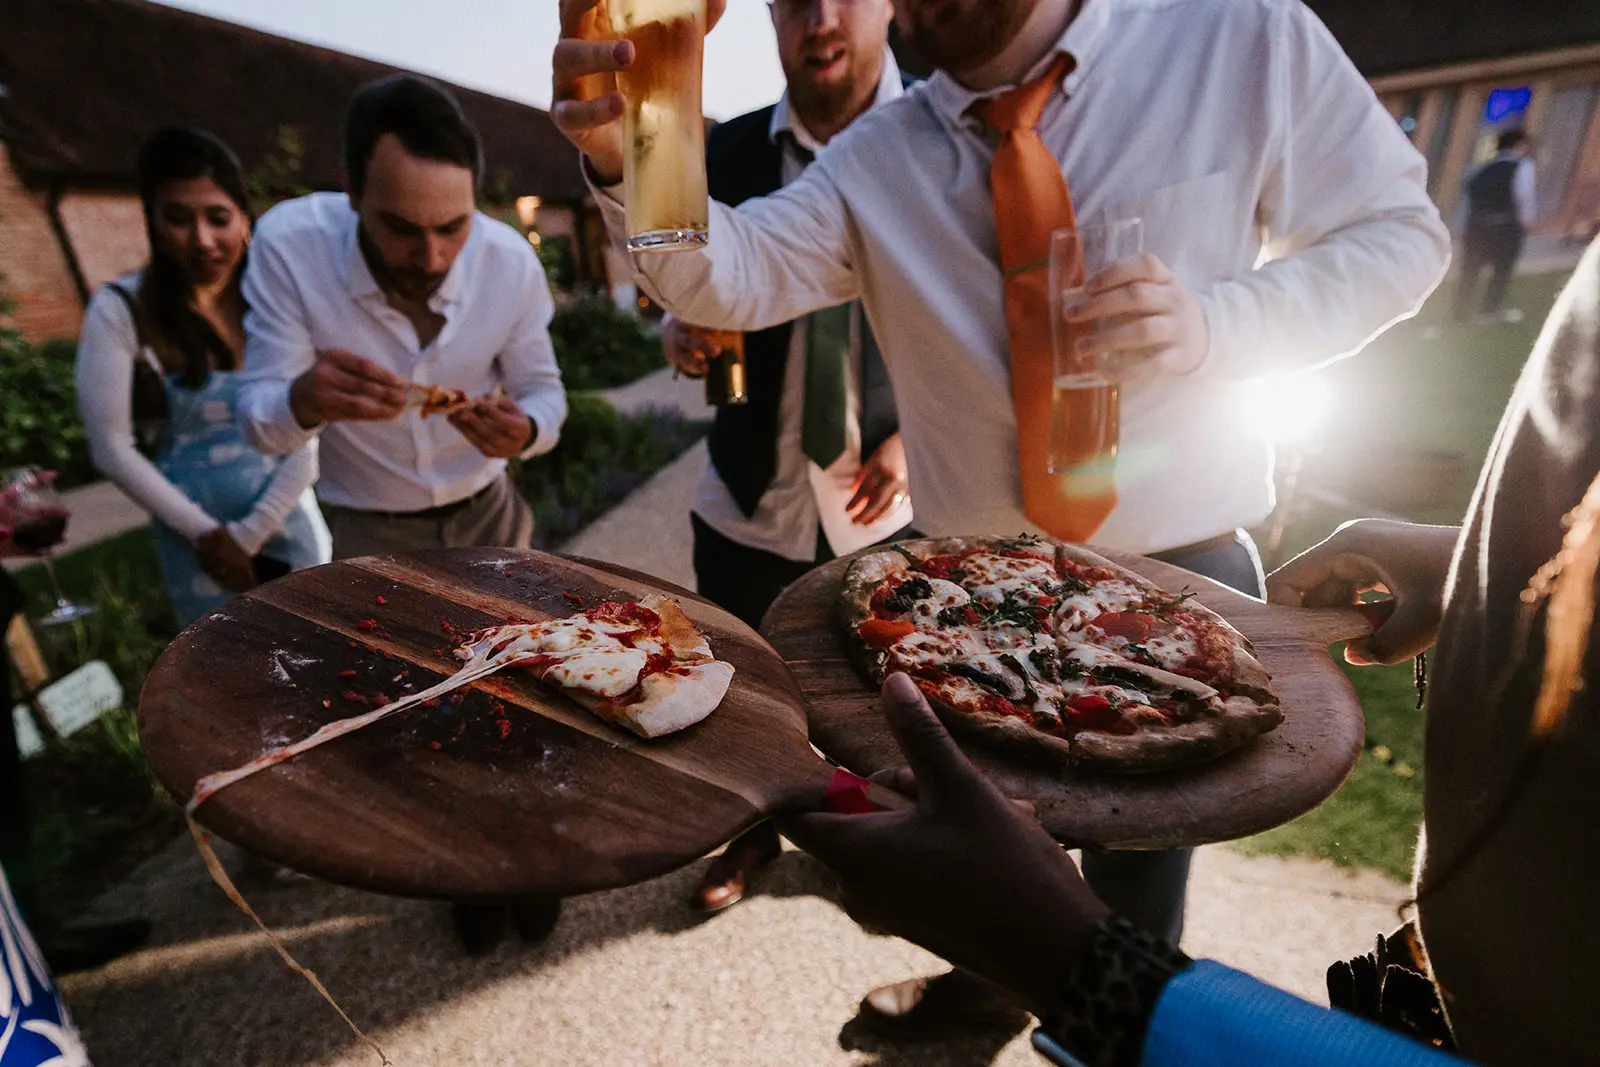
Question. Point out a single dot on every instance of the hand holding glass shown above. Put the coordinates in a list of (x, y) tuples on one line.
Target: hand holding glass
[(663, 129), (41, 524), (1084, 420)]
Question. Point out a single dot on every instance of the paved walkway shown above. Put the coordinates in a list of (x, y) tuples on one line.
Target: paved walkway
[(629, 977)]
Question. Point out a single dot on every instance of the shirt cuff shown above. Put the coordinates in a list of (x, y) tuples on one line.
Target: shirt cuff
[(248, 539), (280, 433)]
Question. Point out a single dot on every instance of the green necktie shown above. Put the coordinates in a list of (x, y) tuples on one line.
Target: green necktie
[(822, 429)]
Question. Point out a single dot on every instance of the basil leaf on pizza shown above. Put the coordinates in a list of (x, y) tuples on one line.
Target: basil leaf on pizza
[(1045, 648)]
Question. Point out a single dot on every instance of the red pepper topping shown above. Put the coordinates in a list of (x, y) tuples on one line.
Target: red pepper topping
[(505, 728), (881, 633), (436, 746), (573, 598), (347, 674), (382, 601)]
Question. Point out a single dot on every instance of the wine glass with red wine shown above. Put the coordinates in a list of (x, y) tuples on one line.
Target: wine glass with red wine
[(40, 526)]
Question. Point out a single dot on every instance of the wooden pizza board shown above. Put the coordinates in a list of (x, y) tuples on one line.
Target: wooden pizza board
[(1273, 779), (530, 796)]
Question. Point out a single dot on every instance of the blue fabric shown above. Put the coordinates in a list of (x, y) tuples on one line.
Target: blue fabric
[(35, 1028), (203, 453), (1213, 1016)]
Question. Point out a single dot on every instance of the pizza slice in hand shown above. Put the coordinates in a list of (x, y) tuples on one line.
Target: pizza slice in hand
[(434, 400)]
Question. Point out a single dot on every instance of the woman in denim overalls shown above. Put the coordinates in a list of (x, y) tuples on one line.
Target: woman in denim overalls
[(157, 370)]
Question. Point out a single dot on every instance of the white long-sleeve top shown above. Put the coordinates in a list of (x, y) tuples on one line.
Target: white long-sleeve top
[(1268, 177), (107, 350), (310, 289)]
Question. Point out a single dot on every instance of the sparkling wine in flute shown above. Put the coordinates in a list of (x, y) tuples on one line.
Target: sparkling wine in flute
[(664, 146), (1085, 425)]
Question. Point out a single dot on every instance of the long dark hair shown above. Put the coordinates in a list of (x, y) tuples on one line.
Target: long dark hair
[(179, 153)]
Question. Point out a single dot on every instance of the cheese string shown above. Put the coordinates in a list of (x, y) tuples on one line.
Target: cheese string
[(481, 665)]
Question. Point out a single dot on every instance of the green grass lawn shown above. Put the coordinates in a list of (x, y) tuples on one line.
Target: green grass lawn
[(1407, 392)]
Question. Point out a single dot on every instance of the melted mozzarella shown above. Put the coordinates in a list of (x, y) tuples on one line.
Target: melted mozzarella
[(944, 595), (607, 672), (986, 569), (1078, 610), (587, 655), (992, 593), (1174, 649)]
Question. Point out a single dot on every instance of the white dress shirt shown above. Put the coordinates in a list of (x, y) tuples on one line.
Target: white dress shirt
[(108, 348), (1241, 134), (310, 289), (802, 495)]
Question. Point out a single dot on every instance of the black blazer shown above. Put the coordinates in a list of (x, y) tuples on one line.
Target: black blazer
[(742, 162)]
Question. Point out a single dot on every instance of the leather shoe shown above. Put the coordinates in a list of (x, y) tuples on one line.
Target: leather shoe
[(945, 1002), (534, 919), (479, 927), (729, 875), (68, 949)]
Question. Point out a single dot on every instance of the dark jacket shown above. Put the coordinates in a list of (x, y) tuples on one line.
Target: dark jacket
[(742, 162)]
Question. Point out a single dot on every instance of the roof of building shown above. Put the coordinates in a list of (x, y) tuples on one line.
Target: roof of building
[(1390, 36), (84, 81)]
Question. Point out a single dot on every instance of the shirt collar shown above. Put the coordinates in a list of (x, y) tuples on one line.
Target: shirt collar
[(1082, 40), (784, 120), (361, 282)]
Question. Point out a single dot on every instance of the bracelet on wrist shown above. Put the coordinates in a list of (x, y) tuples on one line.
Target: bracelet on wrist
[(1103, 1009)]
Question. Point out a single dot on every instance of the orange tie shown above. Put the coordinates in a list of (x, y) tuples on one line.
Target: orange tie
[(1031, 199)]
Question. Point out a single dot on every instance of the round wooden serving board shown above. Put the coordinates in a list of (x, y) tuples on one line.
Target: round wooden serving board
[(1268, 782), (516, 791)]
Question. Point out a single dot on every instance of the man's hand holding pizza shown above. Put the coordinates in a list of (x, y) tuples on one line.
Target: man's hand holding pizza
[(1145, 323), (495, 426), (343, 386), (1409, 561), (967, 874)]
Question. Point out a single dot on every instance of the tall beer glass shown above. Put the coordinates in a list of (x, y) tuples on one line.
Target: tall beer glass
[(1085, 406), (664, 135)]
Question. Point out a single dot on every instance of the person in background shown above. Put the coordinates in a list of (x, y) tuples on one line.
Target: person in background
[(401, 280), (1501, 206), (158, 386), (1286, 228), (65, 949), (812, 466), (1510, 853)]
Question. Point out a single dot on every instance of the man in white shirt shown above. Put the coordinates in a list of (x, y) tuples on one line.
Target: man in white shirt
[(1500, 207), (811, 466), (403, 281), (1286, 223)]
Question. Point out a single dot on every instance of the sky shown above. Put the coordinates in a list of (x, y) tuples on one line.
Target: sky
[(500, 46)]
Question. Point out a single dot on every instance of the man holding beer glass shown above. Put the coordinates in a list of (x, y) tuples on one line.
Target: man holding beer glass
[(1284, 222), (806, 461)]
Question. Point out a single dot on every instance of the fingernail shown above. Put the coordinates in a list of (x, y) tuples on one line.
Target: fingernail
[(901, 688), (1072, 308), (624, 51)]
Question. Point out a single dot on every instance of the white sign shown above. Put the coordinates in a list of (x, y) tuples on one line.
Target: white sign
[(29, 743), (81, 697)]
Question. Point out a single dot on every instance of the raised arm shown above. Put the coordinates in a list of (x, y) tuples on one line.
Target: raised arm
[(1356, 243), (772, 260), (107, 350)]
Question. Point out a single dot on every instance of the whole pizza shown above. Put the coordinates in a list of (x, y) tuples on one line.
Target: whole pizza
[(1045, 648)]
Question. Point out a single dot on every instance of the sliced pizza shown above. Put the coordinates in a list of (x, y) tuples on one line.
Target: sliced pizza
[(643, 666), (1045, 647)]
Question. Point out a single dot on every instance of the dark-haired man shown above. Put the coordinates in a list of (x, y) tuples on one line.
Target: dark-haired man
[(403, 281), (1286, 222), (1500, 206)]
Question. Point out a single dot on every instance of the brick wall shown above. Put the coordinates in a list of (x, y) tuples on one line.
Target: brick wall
[(35, 269), (107, 233)]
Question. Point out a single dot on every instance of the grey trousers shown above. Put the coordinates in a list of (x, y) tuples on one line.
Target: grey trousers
[(497, 518), (1148, 888)]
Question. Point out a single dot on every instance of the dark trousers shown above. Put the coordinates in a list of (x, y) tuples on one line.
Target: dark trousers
[(745, 581), (1492, 248), (1148, 888)]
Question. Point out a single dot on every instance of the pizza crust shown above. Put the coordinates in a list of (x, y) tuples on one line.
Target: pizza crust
[(672, 701)]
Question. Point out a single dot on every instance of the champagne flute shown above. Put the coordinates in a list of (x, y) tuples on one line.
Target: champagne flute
[(41, 524)]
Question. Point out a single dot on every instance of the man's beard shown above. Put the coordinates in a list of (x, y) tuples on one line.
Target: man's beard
[(960, 34), (824, 104), (408, 283)]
